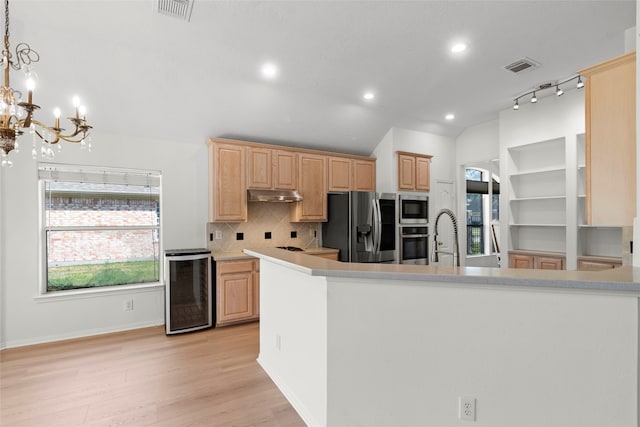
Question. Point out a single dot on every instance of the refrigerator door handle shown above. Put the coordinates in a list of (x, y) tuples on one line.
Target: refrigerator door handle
[(377, 227)]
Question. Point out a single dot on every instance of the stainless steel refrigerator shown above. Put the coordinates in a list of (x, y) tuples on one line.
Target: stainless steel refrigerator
[(362, 225)]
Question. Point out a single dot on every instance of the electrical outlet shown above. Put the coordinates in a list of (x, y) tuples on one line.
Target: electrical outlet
[(278, 342), (467, 408), (128, 305), (218, 234)]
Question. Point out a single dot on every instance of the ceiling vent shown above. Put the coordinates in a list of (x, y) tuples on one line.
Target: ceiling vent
[(176, 8), (522, 65)]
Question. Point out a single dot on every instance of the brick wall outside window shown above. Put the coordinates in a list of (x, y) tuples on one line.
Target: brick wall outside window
[(99, 245)]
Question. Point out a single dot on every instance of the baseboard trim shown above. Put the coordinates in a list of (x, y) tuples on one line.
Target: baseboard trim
[(81, 334)]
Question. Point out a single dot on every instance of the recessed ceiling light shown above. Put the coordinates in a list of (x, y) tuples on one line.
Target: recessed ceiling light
[(450, 116), (369, 96), (458, 47), (269, 71)]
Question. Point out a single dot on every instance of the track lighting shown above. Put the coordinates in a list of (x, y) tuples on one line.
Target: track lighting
[(559, 91)]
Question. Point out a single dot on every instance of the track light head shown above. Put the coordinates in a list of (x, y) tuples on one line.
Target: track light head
[(534, 98), (580, 83), (559, 91), (516, 105)]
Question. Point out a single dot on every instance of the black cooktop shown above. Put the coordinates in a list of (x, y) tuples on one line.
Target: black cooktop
[(290, 248)]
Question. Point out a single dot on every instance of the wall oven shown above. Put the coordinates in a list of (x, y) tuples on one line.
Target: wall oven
[(413, 209), (414, 245)]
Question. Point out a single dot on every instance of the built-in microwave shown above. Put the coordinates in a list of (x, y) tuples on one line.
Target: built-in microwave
[(413, 209)]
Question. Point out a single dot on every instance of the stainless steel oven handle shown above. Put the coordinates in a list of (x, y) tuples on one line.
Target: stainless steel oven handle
[(413, 235)]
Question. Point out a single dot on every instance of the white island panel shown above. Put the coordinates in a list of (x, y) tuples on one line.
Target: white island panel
[(402, 353), (380, 345)]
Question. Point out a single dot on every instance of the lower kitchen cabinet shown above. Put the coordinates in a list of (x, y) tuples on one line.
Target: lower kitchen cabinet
[(537, 260), (237, 289), (591, 264), (520, 261)]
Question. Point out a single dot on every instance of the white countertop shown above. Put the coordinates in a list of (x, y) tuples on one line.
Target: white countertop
[(623, 279)]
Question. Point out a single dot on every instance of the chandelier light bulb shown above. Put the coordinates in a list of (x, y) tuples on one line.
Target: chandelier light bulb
[(76, 101), (56, 113), (30, 82)]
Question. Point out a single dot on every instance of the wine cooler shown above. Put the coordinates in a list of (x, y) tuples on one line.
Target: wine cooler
[(189, 294)]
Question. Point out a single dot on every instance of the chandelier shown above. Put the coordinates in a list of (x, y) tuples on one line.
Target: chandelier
[(17, 114)]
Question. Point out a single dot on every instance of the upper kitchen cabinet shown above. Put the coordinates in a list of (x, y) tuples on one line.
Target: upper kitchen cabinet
[(364, 175), (351, 174), (339, 173), (413, 171), (227, 182), (271, 169), (610, 142), (312, 184)]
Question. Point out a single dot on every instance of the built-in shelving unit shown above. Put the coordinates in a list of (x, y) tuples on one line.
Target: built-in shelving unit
[(592, 241), (538, 196)]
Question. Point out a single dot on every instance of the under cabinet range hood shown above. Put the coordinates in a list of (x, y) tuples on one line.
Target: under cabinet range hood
[(273, 196)]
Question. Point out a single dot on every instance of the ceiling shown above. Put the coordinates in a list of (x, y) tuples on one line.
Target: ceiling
[(144, 73)]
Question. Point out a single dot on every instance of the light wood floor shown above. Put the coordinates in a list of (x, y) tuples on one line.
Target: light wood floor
[(143, 378)]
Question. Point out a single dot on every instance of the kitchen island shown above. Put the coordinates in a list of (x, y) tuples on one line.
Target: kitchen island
[(381, 345)]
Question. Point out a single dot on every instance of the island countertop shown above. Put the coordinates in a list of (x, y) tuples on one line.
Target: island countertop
[(622, 279)]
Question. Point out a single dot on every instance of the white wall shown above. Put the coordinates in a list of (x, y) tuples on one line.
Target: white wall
[(386, 172), (27, 319), (475, 145)]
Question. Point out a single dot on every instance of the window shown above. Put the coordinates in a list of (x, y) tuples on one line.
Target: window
[(100, 227), (482, 210)]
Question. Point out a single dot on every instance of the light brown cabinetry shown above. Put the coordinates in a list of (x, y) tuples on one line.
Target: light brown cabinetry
[(235, 166), (520, 261), (413, 171), (548, 263), (312, 185), (237, 291), (536, 260), (227, 188), (347, 174), (364, 175), (271, 169), (610, 139), (339, 174), (587, 264)]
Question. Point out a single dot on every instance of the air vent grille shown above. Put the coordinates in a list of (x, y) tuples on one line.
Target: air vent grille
[(522, 65), (176, 8)]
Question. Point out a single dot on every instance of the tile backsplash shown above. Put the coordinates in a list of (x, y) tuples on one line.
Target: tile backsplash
[(263, 219)]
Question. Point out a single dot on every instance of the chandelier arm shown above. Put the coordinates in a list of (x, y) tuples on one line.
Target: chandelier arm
[(79, 133)]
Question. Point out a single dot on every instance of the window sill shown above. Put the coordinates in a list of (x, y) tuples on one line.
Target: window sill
[(97, 292)]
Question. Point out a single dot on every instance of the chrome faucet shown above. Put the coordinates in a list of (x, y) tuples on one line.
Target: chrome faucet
[(456, 252)]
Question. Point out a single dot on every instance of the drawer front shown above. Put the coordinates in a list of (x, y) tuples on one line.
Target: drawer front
[(227, 267)]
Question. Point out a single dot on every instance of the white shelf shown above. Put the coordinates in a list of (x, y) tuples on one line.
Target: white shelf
[(528, 199), (538, 225), (537, 171), (538, 178)]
